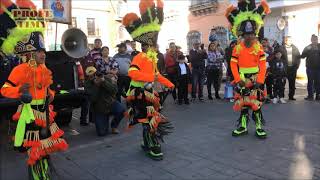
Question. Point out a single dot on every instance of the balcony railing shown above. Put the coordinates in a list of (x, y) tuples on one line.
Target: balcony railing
[(204, 7)]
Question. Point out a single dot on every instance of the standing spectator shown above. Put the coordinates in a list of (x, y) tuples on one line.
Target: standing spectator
[(124, 61), (197, 58), (269, 79), (291, 56), (158, 86), (278, 70), (107, 65), (275, 45), (228, 55), (216, 42), (95, 53), (134, 49), (167, 50), (85, 105), (214, 69), (312, 55), (183, 79), (102, 93), (161, 65), (171, 67), (178, 49), (129, 46), (89, 60)]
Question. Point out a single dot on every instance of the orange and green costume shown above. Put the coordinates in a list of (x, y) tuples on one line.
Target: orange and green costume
[(248, 64), (145, 103), (143, 100), (34, 113), (36, 131), (248, 61), (143, 69)]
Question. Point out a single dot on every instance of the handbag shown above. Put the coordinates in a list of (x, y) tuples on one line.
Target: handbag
[(228, 91)]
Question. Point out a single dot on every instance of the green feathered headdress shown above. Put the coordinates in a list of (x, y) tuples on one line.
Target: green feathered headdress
[(145, 29), (247, 18), (16, 38)]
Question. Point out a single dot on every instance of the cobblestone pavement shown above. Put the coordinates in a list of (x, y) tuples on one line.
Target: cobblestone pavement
[(201, 147)]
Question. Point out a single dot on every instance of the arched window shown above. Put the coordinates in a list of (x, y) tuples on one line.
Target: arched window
[(221, 34), (192, 37)]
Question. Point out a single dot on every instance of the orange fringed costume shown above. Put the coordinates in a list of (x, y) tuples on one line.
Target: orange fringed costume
[(40, 79), (35, 113), (143, 70), (247, 59), (248, 63), (143, 100), (25, 73)]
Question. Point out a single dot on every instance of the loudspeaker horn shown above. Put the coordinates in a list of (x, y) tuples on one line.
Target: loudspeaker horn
[(74, 43)]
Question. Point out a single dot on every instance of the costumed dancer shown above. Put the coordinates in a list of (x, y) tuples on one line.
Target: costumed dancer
[(248, 63), (36, 132), (142, 98)]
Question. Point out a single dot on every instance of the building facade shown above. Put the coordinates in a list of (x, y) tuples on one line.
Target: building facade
[(175, 26), (300, 19), (207, 19), (96, 18)]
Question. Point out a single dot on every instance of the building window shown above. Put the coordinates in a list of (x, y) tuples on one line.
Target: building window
[(192, 37), (203, 7), (220, 34), (122, 8), (122, 33), (73, 23), (90, 45), (91, 26), (197, 2)]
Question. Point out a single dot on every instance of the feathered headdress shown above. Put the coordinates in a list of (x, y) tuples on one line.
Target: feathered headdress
[(145, 29), (16, 39), (247, 18)]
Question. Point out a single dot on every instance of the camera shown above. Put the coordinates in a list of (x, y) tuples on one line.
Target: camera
[(114, 66), (99, 74)]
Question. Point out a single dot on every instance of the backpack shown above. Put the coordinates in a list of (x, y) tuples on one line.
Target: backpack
[(170, 64)]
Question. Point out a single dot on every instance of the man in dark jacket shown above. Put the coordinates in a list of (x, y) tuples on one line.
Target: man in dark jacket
[(197, 58), (291, 56), (161, 64), (124, 60), (227, 55), (269, 79), (170, 66), (312, 55)]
